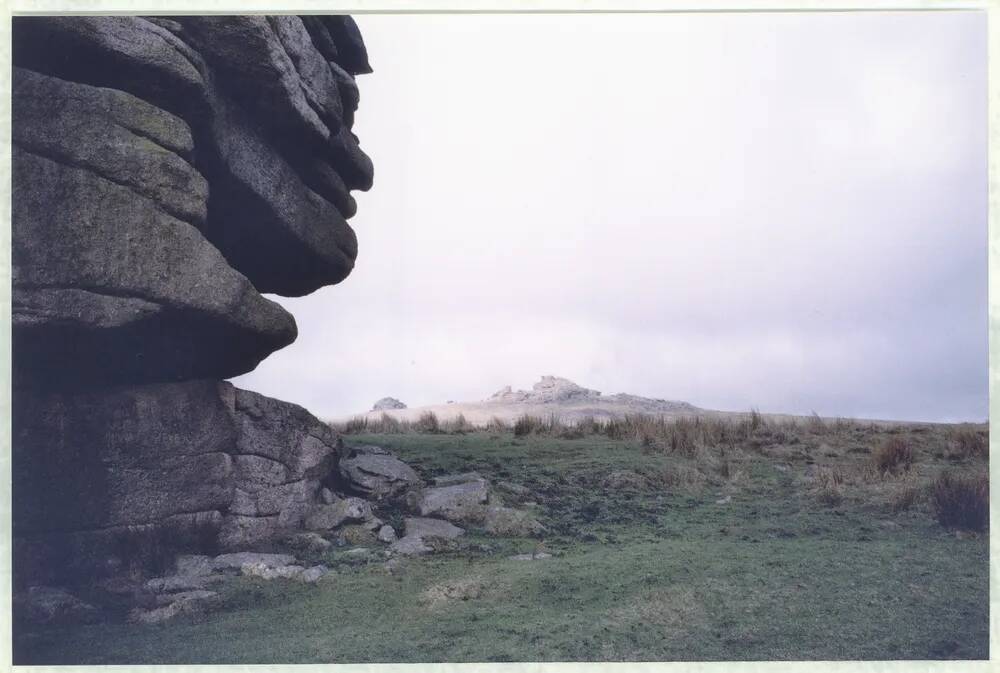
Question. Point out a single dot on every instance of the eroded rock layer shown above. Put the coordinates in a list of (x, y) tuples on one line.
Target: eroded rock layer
[(165, 173)]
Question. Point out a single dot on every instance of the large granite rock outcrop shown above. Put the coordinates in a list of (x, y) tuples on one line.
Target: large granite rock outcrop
[(165, 173)]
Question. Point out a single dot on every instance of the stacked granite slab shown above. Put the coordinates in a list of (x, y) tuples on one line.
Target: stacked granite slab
[(166, 173)]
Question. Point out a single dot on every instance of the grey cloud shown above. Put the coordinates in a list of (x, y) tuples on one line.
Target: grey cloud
[(780, 211)]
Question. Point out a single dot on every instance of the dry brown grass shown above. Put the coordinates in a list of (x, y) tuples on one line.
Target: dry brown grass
[(671, 611), (474, 587), (970, 443), (893, 455)]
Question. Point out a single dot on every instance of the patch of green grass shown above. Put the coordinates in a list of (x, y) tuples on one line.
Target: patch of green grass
[(695, 554)]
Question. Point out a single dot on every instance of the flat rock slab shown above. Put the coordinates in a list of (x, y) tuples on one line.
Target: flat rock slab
[(410, 545), (237, 560), (376, 473), (180, 583), (423, 527), (457, 502), (268, 572)]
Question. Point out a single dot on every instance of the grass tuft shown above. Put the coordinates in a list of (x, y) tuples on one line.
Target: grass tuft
[(893, 455), (961, 502)]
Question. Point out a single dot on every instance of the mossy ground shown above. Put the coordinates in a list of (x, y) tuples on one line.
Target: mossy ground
[(782, 546)]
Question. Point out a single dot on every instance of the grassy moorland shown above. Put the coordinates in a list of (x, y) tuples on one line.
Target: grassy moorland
[(738, 539)]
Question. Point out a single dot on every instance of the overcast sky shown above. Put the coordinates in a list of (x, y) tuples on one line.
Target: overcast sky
[(781, 211)]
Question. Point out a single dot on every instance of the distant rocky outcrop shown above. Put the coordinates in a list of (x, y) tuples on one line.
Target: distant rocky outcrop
[(549, 390), (167, 172), (550, 396), (388, 403)]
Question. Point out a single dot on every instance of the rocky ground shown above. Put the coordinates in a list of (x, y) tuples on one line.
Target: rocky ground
[(689, 540), (370, 481)]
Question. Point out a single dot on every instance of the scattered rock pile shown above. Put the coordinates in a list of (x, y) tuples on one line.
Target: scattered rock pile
[(337, 525)]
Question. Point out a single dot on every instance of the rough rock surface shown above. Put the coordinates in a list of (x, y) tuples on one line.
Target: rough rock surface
[(347, 510), (549, 389), (388, 403), (236, 467), (410, 545), (376, 473), (424, 527), (164, 174), (463, 501), (167, 173)]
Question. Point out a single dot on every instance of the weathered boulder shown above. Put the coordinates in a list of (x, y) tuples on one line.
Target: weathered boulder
[(410, 545), (375, 473), (462, 501), (387, 534), (347, 510), (267, 572), (189, 466), (237, 560)]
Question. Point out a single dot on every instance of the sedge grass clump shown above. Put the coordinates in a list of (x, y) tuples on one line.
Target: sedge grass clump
[(386, 425), (829, 486), (428, 422), (970, 443), (893, 455), (527, 425), (352, 426), (497, 425), (816, 425), (907, 497), (961, 502), (458, 425)]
